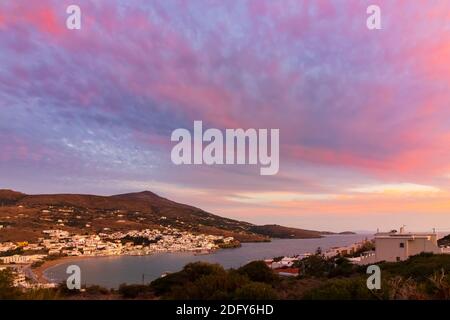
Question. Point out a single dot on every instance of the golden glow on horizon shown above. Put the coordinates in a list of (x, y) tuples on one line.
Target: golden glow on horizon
[(278, 197), (369, 199), (359, 202), (397, 189)]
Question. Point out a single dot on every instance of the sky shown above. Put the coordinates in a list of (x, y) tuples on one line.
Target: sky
[(364, 115)]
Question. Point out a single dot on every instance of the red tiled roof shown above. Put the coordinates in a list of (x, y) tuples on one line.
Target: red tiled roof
[(288, 270)]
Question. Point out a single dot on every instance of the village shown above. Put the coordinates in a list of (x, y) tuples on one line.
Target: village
[(21, 257), (392, 246)]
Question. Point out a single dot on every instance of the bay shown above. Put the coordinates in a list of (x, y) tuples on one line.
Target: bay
[(110, 272)]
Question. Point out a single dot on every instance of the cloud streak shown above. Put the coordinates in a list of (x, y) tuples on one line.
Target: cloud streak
[(354, 107)]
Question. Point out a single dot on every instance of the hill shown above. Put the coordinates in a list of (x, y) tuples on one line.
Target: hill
[(23, 216), (277, 231), (445, 241), (328, 233), (10, 197)]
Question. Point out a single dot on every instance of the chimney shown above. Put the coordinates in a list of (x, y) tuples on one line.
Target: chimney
[(402, 229)]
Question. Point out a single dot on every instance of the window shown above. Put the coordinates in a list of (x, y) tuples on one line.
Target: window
[(398, 258), (402, 245)]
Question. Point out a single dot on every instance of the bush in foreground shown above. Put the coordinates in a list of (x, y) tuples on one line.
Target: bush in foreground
[(204, 281)]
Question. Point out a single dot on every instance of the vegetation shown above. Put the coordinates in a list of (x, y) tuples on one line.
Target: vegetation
[(445, 241), (420, 267), (8, 292), (13, 252), (205, 281), (131, 291), (139, 240), (258, 271), (255, 291), (367, 246), (341, 289), (31, 214), (276, 231), (425, 276), (228, 245), (6, 289)]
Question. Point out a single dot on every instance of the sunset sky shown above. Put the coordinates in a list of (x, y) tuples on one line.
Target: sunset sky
[(364, 116)]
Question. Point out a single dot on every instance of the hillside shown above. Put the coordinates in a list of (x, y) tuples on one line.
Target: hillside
[(445, 241), (343, 233), (277, 231), (23, 216), (10, 197)]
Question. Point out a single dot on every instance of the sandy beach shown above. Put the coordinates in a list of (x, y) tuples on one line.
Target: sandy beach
[(39, 271)]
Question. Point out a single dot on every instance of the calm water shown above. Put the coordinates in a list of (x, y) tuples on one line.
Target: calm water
[(110, 272)]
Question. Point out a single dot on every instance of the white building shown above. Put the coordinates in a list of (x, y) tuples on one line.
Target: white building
[(18, 259), (399, 246), (14, 259), (343, 251)]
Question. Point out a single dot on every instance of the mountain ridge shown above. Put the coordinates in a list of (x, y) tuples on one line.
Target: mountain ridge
[(30, 214)]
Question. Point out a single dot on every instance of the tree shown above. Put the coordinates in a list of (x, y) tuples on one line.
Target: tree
[(316, 266), (342, 267), (7, 291), (190, 273), (258, 271)]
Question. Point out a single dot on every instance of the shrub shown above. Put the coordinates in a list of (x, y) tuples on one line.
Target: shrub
[(342, 268), (203, 281), (97, 290), (255, 291), (258, 271), (134, 290), (341, 289), (315, 266), (7, 291), (420, 267), (190, 273)]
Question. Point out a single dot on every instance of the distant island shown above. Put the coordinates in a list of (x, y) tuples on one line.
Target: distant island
[(277, 231), (23, 217), (333, 233)]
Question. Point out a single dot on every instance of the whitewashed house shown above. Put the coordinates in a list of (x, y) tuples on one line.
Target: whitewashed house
[(399, 246)]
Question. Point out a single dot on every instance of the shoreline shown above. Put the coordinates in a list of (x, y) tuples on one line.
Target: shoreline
[(39, 271), (48, 264)]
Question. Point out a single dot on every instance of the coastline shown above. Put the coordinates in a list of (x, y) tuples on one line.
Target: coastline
[(228, 258), (39, 271)]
